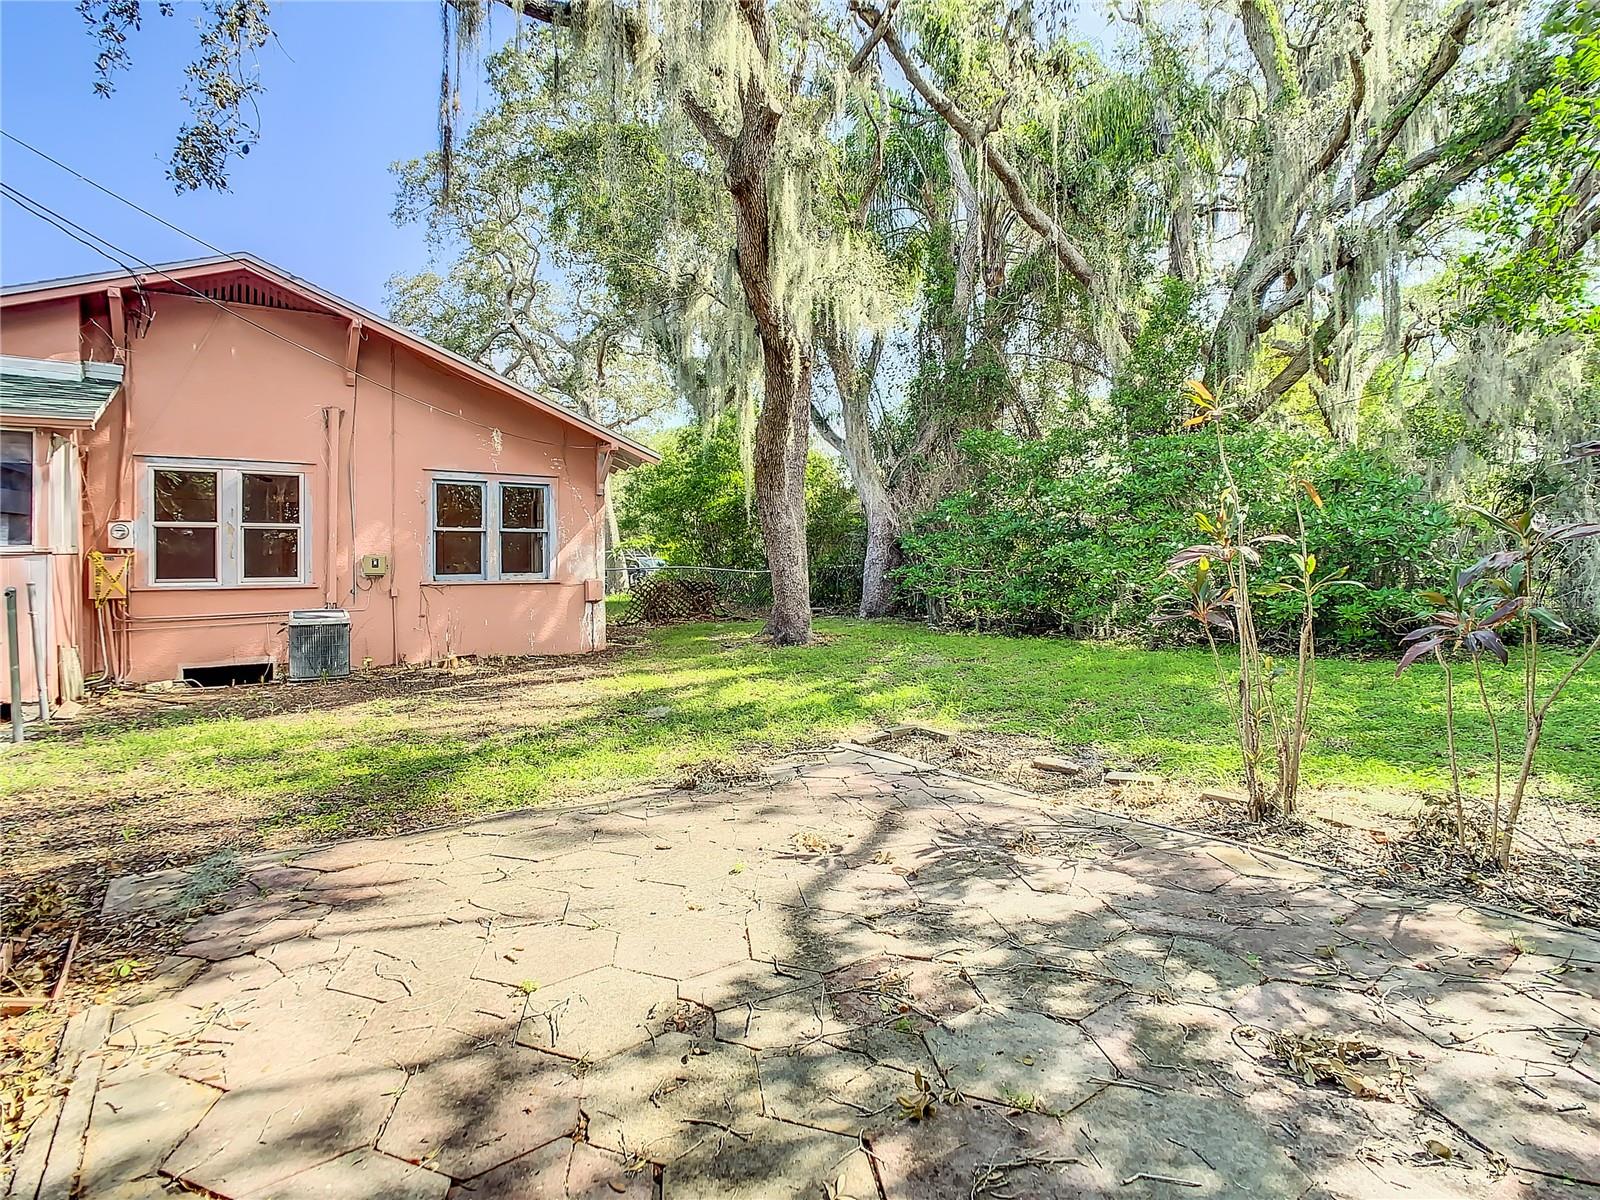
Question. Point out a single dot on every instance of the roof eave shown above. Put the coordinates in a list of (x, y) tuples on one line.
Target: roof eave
[(53, 289)]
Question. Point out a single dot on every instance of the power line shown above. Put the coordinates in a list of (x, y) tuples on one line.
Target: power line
[(79, 175), (106, 248), (28, 206)]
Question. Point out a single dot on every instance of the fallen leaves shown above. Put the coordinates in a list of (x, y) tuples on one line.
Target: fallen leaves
[(917, 1105), (814, 843), (1320, 1058)]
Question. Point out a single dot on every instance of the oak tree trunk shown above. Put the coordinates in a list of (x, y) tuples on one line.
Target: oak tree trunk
[(781, 443), (783, 429), (883, 555)]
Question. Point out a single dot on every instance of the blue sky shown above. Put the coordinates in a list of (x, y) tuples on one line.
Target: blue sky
[(351, 88)]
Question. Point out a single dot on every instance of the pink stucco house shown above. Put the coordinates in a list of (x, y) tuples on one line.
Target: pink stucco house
[(211, 445)]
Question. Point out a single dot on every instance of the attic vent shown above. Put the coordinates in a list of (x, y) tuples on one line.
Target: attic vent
[(242, 292)]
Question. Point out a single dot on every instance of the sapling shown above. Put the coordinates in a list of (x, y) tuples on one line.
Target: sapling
[(1465, 620), (1506, 589), (1226, 603)]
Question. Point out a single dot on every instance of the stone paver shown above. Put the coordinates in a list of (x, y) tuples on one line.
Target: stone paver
[(598, 1014), (360, 1173), (467, 1112), (134, 1126), (750, 994), (288, 1122), (1020, 1058)]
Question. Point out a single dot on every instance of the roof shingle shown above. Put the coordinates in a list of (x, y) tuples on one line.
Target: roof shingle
[(41, 392)]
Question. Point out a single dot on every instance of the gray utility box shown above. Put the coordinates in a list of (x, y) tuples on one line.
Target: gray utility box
[(319, 644)]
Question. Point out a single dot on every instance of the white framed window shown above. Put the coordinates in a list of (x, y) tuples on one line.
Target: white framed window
[(489, 527), (224, 523), (18, 479)]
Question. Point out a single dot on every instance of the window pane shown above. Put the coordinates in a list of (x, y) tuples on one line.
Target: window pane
[(271, 499), (271, 553), (521, 506), (186, 495), (522, 553), (457, 554), (186, 553), (16, 488), (458, 505)]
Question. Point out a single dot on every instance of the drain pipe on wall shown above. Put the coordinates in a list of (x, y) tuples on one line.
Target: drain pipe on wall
[(333, 421), (14, 657), (41, 669)]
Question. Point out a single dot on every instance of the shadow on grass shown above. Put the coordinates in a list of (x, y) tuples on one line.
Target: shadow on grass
[(400, 750)]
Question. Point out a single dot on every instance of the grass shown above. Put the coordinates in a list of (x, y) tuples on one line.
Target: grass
[(363, 757)]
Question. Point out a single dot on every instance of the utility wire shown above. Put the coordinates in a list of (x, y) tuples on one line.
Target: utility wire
[(28, 206), (110, 250), (100, 187)]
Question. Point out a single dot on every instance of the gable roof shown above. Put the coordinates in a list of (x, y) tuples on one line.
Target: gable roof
[(283, 290), (56, 395)]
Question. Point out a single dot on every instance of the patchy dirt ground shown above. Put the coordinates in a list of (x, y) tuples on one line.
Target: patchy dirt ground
[(63, 850), (1383, 839)]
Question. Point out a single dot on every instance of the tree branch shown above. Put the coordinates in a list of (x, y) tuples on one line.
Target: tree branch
[(1036, 218), (1451, 43)]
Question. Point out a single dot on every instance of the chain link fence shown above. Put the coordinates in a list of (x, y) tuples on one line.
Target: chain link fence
[(665, 595)]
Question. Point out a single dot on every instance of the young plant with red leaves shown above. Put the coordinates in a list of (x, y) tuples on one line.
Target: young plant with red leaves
[(1505, 592)]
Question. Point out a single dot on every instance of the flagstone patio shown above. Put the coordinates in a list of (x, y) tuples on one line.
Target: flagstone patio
[(859, 977)]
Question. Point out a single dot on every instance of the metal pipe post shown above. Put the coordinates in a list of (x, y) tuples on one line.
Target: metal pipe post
[(14, 651), (41, 665)]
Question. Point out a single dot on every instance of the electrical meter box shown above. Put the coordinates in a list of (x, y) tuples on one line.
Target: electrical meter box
[(374, 566), (109, 572)]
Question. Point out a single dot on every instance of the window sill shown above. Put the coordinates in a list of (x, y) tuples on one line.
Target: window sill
[(449, 581), (206, 586)]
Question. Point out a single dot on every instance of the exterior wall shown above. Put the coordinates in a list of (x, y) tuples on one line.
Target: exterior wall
[(52, 564), (45, 330), (202, 383)]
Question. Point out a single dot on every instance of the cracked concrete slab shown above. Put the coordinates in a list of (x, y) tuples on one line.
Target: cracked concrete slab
[(1183, 1145), (661, 1101), (468, 1112), (1022, 1059), (721, 995), (287, 1122), (597, 1014)]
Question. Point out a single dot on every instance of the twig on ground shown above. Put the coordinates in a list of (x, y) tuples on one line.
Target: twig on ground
[(1147, 1177)]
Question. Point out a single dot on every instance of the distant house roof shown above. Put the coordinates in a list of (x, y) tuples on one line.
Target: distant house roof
[(61, 395), (284, 290)]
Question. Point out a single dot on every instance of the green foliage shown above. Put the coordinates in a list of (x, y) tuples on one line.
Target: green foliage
[(221, 88), (1525, 274), (693, 508), (1060, 534), (1148, 390)]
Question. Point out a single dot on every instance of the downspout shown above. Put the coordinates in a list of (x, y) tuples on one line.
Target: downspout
[(122, 506), (394, 516), (332, 422), (118, 322)]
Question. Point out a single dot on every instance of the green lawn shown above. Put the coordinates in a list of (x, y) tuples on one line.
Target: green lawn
[(522, 735)]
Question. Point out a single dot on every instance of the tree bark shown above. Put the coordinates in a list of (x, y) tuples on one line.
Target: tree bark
[(883, 556), (783, 428), (854, 382), (782, 440)]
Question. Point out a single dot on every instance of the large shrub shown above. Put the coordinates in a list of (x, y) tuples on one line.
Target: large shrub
[(693, 508), (1070, 534)]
